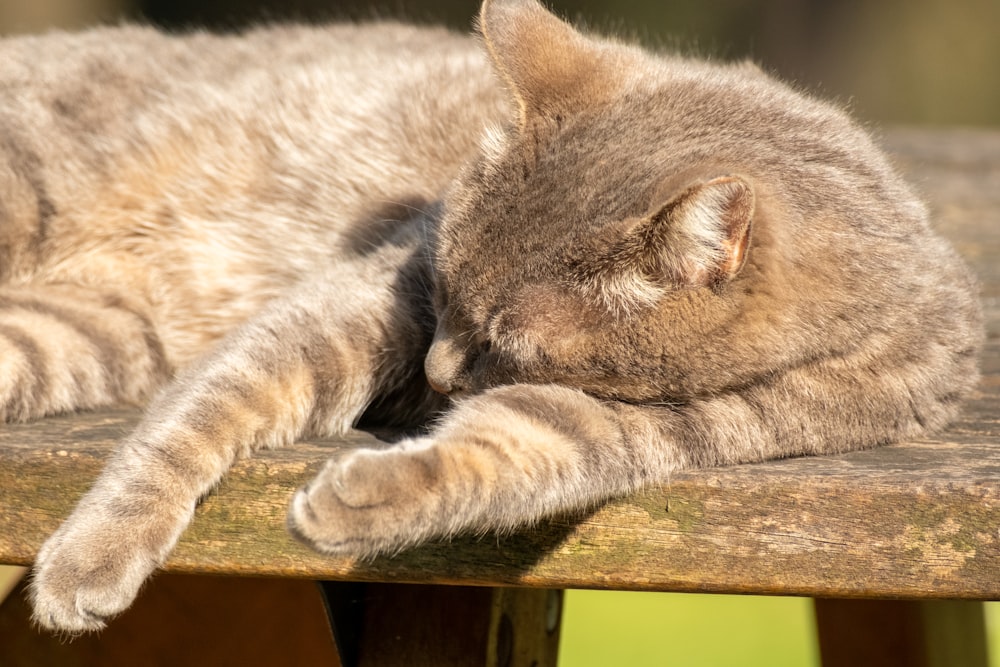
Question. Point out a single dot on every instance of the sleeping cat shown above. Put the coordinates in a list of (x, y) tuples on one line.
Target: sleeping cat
[(615, 264)]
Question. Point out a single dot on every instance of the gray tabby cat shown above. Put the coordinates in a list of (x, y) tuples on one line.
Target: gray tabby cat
[(616, 264)]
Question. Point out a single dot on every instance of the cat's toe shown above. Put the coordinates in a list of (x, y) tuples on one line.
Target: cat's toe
[(321, 517), (82, 578), (367, 503), (60, 609)]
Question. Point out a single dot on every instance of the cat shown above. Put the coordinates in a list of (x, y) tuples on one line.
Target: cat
[(614, 264)]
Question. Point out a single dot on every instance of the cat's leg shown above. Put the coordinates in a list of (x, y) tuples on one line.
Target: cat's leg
[(64, 348), (516, 454), (309, 364), (498, 461)]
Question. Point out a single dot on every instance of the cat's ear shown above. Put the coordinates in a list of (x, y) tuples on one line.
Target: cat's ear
[(706, 230), (550, 68), (698, 238)]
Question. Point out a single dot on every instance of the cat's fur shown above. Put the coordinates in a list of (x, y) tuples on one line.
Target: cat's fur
[(622, 265)]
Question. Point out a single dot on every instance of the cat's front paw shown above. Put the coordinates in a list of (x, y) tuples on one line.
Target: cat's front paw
[(91, 569), (371, 502)]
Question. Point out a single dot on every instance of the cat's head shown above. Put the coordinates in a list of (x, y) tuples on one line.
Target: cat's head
[(613, 235)]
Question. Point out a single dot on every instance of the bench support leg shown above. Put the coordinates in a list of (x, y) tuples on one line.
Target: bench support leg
[(897, 633), (196, 620), (397, 624)]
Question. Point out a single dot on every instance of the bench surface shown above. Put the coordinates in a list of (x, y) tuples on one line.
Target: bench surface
[(916, 520)]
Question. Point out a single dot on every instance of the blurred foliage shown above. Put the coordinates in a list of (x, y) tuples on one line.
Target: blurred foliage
[(892, 61), (603, 628)]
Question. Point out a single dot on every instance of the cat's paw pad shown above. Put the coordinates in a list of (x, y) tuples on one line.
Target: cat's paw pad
[(86, 573), (368, 502)]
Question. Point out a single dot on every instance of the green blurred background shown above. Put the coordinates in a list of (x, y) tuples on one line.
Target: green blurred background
[(892, 61)]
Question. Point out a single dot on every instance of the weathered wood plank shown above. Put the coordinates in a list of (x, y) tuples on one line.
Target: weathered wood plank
[(909, 520), (916, 520)]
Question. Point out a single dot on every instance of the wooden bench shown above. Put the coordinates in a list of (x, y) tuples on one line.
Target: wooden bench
[(897, 544)]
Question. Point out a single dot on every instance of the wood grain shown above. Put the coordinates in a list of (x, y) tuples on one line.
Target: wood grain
[(917, 520)]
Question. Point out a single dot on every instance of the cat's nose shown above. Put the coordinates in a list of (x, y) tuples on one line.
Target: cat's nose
[(440, 387), (443, 367), (452, 387)]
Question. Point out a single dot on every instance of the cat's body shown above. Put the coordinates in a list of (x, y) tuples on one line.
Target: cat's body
[(205, 175), (646, 264)]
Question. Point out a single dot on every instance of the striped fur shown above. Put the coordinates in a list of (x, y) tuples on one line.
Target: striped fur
[(617, 265)]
